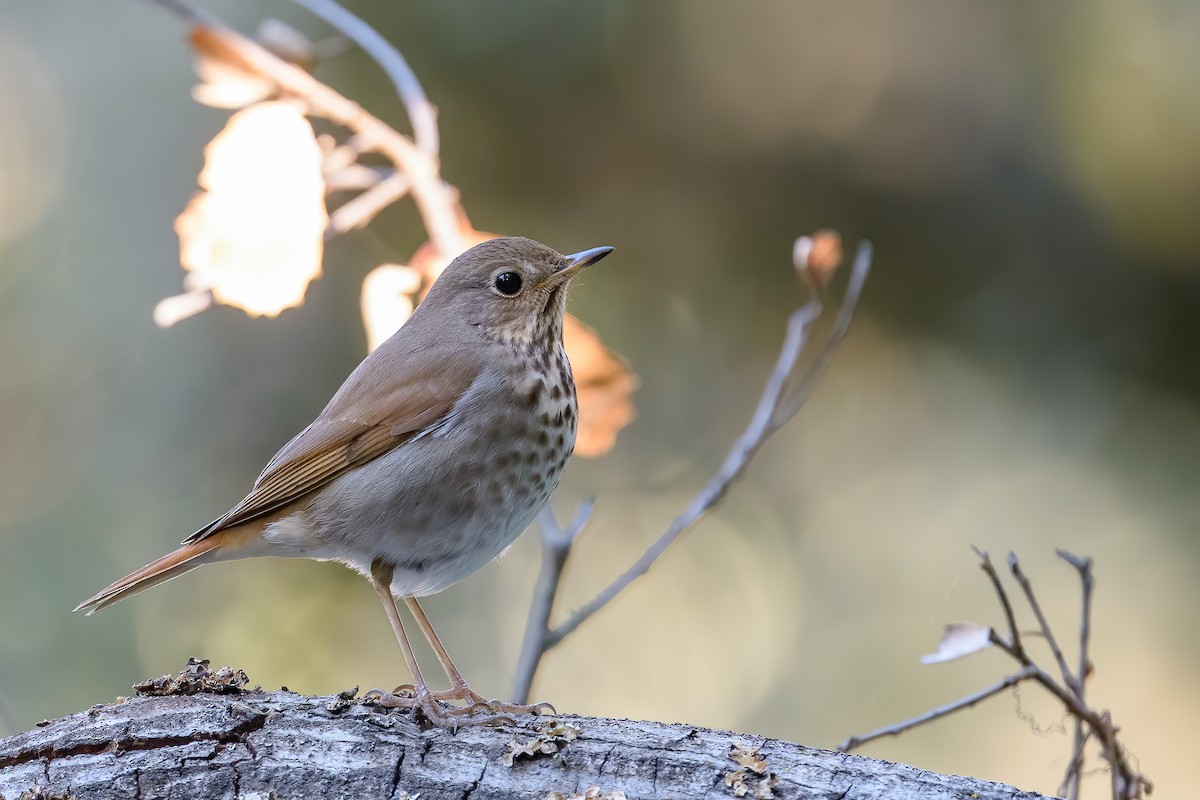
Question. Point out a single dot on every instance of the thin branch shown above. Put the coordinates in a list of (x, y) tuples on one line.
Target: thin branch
[(795, 396), (1083, 565), (355, 178), (766, 420), (556, 546), (420, 111), (361, 210), (1014, 633), (1127, 782), (854, 742), (1065, 695), (1031, 598), (333, 46), (1070, 785)]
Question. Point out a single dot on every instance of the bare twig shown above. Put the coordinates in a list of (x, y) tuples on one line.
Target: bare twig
[(782, 397), (1047, 632), (355, 178), (1127, 782), (1070, 785), (796, 395), (739, 457), (1083, 565), (854, 742), (364, 208), (1014, 633), (766, 420), (556, 546), (420, 111)]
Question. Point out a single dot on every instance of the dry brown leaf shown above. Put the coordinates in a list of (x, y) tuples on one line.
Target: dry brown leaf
[(551, 737), (196, 677), (818, 256), (752, 780), (224, 81), (254, 237), (743, 785), (605, 385), (736, 781), (960, 639)]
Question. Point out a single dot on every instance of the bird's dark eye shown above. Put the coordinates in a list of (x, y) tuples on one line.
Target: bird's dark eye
[(508, 283)]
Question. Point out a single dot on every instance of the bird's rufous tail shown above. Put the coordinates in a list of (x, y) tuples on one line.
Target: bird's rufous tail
[(219, 547)]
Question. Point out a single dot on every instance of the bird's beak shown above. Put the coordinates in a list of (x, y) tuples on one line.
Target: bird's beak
[(577, 262)]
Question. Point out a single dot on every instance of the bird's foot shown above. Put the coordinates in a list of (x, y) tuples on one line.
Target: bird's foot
[(434, 705), (478, 703), (463, 693)]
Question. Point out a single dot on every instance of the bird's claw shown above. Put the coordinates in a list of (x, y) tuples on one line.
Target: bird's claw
[(434, 709), (435, 706)]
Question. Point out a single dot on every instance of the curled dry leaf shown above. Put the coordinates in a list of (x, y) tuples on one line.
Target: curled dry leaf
[(818, 256), (960, 639), (746, 756), (196, 677), (743, 785), (551, 737), (254, 237), (227, 83), (605, 385), (224, 81)]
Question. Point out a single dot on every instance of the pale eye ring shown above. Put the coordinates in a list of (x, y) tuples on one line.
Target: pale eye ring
[(508, 283)]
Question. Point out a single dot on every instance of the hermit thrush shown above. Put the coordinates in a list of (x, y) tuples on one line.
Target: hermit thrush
[(433, 456)]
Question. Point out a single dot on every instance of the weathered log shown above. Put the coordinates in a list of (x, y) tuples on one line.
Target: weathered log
[(254, 744)]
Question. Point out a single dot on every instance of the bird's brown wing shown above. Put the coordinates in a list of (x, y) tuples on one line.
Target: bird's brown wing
[(381, 406)]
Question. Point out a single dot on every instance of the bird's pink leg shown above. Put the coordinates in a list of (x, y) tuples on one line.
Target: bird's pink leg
[(422, 698), (459, 690)]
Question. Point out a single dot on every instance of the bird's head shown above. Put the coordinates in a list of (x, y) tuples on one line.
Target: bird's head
[(511, 288)]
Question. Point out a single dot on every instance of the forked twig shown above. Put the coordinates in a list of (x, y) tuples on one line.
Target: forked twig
[(1083, 565), (365, 207), (1127, 782), (556, 545), (785, 389), (1025, 673), (1014, 633), (1047, 632)]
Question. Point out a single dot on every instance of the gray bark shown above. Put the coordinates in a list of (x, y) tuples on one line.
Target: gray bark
[(257, 744)]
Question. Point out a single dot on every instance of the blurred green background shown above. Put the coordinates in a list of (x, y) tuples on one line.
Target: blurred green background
[(1022, 374)]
